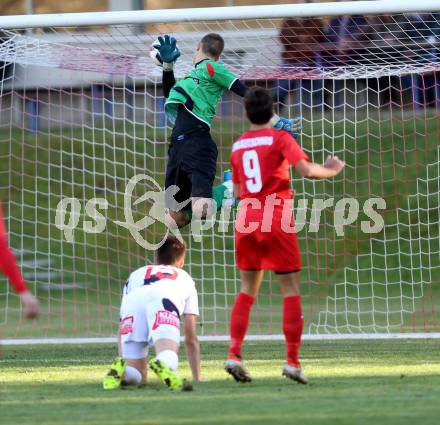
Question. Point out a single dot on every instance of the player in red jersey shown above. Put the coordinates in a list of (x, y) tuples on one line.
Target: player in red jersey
[(9, 267), (265, 237)]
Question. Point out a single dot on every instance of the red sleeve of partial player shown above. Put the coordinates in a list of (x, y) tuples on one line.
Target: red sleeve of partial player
[(8, 264), (290, 149), (235, 176)]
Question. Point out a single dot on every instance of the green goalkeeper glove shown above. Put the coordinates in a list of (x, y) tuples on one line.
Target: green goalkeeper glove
[(292, 125), (168, 51)]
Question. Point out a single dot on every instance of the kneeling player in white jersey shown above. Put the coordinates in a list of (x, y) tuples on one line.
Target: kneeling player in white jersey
[(154, 298)]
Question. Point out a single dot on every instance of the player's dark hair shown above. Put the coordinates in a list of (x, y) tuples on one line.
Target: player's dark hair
[(259, 105), (170, 251), (212, 45)]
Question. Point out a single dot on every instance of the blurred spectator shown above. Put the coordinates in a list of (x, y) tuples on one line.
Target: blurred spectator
[(417, 36), (300, 39), (432, 21), (346, 44), (346, 38), (353, 41)]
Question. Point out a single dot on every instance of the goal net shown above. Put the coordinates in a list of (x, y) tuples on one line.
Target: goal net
[(83, 150)]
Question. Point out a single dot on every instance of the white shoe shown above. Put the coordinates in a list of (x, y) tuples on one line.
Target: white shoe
[(295, 373), (237, 370), (228, 200)]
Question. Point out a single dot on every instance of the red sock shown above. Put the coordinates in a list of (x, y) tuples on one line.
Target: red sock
[(239, 322), (292, 328)]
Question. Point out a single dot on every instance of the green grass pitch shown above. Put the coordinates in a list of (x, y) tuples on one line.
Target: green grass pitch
[(376, 382), (352, 382)]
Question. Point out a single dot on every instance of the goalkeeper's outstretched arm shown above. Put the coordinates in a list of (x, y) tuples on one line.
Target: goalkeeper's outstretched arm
[(239, 88), (168, 54), (168, 81), (291, 125)]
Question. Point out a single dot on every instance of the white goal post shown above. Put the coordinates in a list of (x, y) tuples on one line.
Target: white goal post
[(272, 11), (82, 115)]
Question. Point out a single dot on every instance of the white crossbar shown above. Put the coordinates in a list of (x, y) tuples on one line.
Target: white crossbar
[(218, 13)]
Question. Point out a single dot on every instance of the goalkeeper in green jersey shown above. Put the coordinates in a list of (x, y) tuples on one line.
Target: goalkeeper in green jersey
[(191, 105)]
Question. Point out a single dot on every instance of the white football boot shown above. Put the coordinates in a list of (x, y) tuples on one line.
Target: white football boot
[(228, 200), (236, 369), (295, 373)]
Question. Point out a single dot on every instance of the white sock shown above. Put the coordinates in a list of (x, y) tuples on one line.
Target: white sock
[(169, 358), (132, 376)]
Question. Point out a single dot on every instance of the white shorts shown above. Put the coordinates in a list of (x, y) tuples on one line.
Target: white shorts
[(134, 350), (143, 324)]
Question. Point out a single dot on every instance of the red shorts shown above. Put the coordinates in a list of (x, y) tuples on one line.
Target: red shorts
[(269, 246)]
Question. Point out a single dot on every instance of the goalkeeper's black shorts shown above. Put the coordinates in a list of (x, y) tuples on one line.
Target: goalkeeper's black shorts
[(192, 162)]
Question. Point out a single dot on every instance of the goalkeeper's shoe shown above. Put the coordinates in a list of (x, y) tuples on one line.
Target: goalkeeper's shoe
[(234, 366), (166, 375), (295, 373), (228, 194), (113, 379)]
